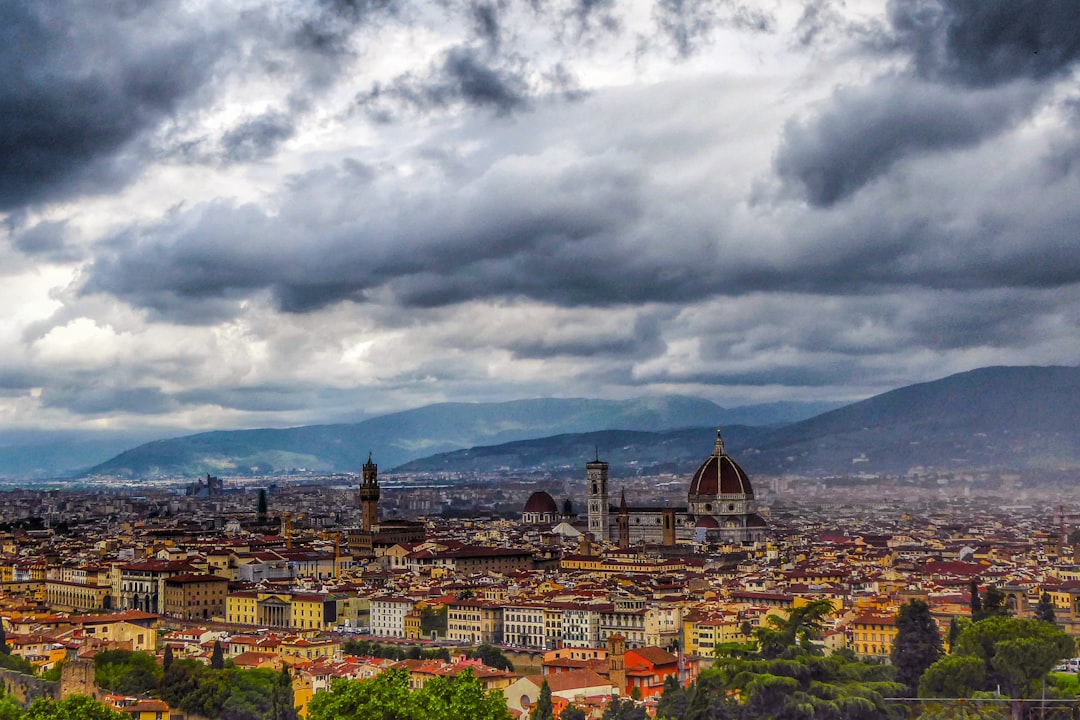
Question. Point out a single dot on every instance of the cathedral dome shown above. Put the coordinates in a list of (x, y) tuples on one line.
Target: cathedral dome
[(719, 475), (540, 502)]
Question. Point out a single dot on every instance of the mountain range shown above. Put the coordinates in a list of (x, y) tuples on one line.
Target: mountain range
[(998, 418), (404, 436), (1004, 418)]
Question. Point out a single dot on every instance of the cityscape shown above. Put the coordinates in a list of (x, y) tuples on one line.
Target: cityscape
[(358, 575)]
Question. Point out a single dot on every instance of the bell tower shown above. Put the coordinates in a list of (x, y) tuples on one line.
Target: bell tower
[(596, 476), (369, 496)]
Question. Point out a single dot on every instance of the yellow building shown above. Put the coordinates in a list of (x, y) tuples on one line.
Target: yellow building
[(703, 633), (873, 635), (304, 611), (474, 621), (77, 596)]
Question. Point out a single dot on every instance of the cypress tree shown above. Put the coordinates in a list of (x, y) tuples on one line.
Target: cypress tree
[(1045, 609), (545, 709), (167, 661), (976, 602), (217, 659), (917, 645)]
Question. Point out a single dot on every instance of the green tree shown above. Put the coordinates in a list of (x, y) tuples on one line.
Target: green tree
[(1016, 653), (624, 710), (73, 707), (9, 709), (802, 625), (491, 656), (917, 645), (167, 659), (952, 677), (674, 701), (5, 649), (804, 686), (1044, 611), (217, 657), (387, 697), (126, 672), (572, 712), (544, 709), (955, 627), (261, 506), (434, 621), (994, 603), (976, 601)]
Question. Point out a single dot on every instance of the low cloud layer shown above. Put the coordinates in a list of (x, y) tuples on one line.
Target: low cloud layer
[(287, 213)]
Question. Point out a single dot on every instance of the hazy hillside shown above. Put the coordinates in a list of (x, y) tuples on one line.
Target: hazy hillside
[(628, 452), (404, 436), (994, 418), (998, 417)]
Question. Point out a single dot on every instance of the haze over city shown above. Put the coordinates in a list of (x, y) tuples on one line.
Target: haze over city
[(267, 214)]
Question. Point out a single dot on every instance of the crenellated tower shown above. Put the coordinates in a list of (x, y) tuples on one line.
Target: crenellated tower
[(369, 496)]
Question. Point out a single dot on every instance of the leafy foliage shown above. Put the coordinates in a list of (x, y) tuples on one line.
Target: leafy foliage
[(393, 652), (952, 677), (783, 637), (16, 663), (126, 673), (230, 693), (73, 707), (1015, 654), (490, 656), (434, 621), (624, 710), (388, 697)]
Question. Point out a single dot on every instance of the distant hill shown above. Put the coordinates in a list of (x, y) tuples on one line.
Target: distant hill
[(1004, 418), (628, 452), (400, 437), (991, 418)]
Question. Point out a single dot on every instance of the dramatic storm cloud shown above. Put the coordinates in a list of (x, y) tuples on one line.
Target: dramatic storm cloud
[(279, 213)]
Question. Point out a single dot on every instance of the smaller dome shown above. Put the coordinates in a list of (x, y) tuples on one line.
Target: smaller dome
[(707, 521), (541, 502)]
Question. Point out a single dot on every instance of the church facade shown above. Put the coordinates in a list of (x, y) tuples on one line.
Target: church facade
[(720, 508)]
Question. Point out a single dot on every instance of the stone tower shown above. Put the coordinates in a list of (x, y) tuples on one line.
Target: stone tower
[(616, 657), (369, 496), (596, 474)]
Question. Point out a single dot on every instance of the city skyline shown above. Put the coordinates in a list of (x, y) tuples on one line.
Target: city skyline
[(280, 214)]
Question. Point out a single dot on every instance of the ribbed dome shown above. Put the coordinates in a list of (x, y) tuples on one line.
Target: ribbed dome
[(540, 502), (719, 475)]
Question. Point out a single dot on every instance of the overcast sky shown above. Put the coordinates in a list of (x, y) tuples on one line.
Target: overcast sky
[(263, 213)]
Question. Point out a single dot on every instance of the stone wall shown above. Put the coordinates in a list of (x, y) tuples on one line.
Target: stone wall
[(25, 688)]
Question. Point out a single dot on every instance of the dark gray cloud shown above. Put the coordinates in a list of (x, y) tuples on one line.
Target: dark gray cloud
[(47, 241), (463, 76), (862, 132), (988, 42), (257, 137), (92, 398), (81, 82), (688, 25), (976, 69), (487, 25)]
